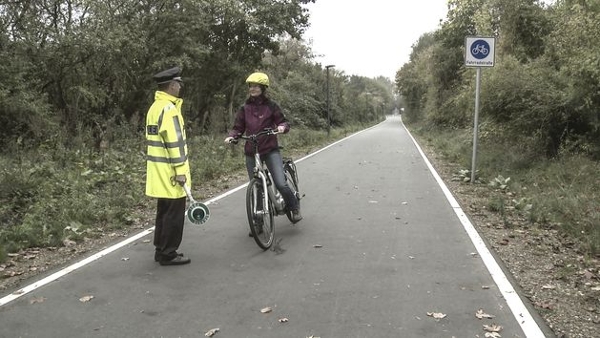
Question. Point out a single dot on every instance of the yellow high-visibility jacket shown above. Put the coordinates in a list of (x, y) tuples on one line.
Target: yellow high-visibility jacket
[(167, 153)]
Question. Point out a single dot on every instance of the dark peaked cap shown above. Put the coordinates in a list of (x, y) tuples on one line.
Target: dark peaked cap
[(173, 74)]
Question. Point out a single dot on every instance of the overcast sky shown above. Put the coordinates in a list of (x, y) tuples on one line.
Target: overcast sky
[(373, 37)]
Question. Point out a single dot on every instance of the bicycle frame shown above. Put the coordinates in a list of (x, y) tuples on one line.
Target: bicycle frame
[(263, 199), (262, 172)]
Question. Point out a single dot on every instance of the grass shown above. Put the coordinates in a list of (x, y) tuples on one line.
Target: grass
[(52, 194), (561, 193)]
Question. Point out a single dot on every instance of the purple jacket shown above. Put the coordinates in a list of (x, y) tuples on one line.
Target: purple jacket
[(254, 116)]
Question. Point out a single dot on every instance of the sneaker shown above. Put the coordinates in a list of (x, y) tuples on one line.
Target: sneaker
[(296, 216)]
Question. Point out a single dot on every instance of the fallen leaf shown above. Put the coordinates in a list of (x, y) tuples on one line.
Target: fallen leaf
[(492, 328), (492, 335), (125, 258), (485, 287), (37, 300), (212, 332), (266, 310), (12, 274), (588, 275), (283, 320), (317, 246), (436, 315), (68, 243), (146, 241), (18, 292), (86, 299), (548, 287), (480, 314)]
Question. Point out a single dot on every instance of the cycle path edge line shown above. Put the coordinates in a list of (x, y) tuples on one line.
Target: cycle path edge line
[(529, 326)]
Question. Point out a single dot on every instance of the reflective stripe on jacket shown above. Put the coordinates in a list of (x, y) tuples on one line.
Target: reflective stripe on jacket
[(167, 154)]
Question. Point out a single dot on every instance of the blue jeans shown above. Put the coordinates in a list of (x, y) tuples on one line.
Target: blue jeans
[(275, 165)]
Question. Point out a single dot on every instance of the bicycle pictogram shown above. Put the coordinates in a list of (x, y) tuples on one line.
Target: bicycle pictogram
[(480, 49)]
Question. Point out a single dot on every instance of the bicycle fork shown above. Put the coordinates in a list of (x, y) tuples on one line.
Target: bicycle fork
[(265, 196)]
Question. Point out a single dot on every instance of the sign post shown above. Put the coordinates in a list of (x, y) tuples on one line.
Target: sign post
[(479, 52)]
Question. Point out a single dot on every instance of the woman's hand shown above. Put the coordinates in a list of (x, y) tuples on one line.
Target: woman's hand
[(229, 140), (280, 129)]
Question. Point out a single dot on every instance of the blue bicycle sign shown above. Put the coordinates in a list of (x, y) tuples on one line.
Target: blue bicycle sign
[(479, 51)]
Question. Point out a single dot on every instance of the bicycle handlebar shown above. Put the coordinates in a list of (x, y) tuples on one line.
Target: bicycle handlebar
[(254, 137)]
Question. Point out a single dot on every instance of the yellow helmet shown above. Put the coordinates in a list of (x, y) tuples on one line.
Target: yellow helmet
[(260, 78)]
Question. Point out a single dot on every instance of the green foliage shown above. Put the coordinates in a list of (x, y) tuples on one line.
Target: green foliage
[(91, 62), (44, 191), (496, 204), (574, 56), (499, 182), (561, 193)]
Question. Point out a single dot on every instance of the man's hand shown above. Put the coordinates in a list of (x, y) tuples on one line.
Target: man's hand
[(181, 179)]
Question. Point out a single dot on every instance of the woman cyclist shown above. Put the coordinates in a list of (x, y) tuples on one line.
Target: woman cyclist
[(258, 113)]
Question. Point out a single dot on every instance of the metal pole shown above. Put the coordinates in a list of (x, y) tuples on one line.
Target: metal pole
[(328, 114), (328, 108), (476, 125)]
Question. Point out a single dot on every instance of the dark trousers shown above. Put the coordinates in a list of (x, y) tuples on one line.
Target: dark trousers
[(168, 229)]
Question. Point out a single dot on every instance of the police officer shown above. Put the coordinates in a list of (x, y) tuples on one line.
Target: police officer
[(167, 166)]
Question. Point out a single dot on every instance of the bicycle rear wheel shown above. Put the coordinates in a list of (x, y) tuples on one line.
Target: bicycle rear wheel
[(292, 182), (259, 219)]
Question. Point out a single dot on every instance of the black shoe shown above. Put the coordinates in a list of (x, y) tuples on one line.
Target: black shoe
[(296, 216), (158, 255), (260, 231), (258, 222), (178, 260)]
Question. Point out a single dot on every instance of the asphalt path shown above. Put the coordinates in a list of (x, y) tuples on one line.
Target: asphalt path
[(382, 251)]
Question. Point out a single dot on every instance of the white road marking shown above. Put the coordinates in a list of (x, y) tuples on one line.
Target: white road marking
[(516, 305)]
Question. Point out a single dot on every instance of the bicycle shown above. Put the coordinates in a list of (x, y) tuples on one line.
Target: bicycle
[(263, 200)]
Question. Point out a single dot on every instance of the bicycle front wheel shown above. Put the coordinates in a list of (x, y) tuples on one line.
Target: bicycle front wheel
[(260, 218)]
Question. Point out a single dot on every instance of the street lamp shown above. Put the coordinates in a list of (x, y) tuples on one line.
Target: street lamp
[(328, 113)]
